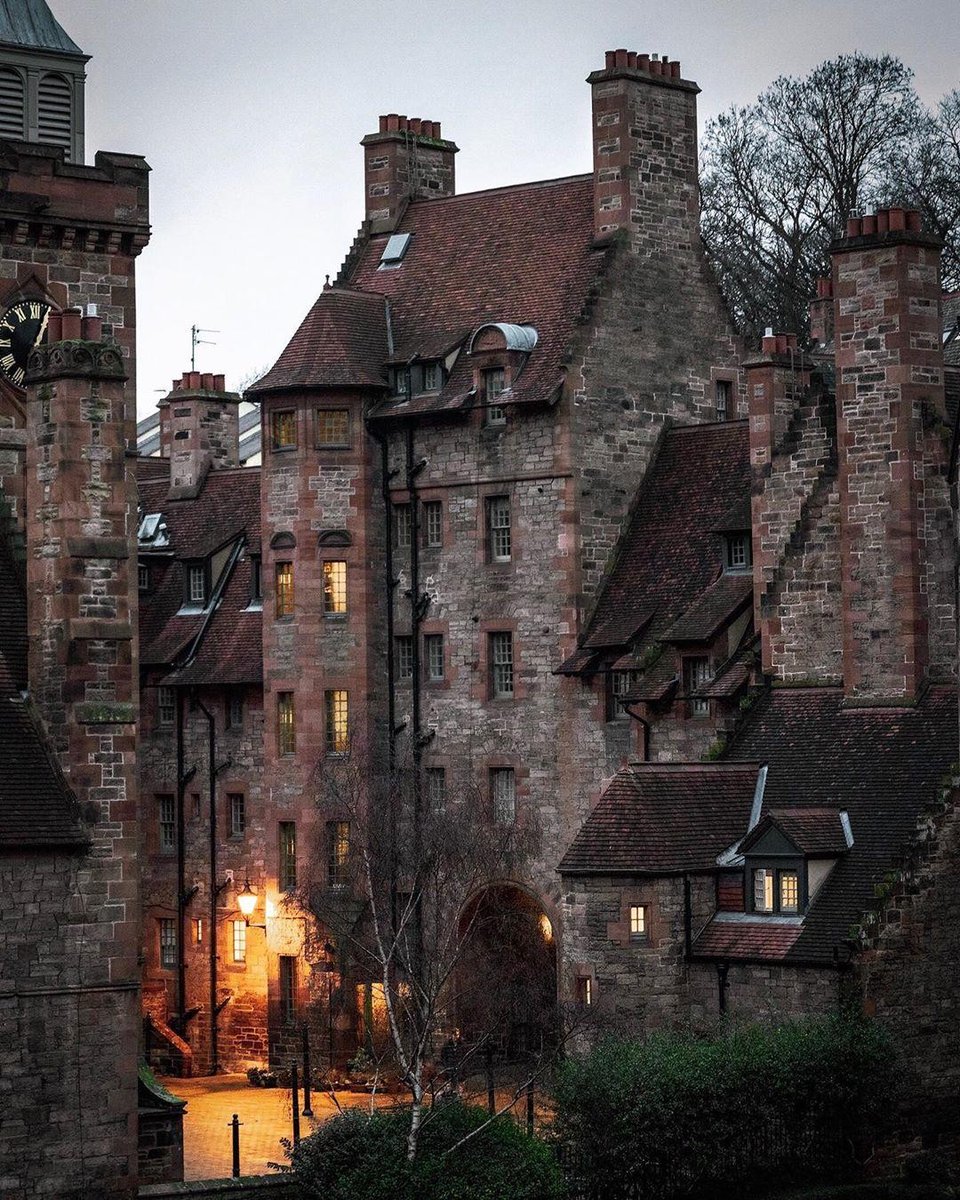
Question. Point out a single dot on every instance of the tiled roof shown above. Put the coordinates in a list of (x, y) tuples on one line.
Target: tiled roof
[(732, 935), (656, 818), (712, 609), (36, 806), (227, 508), (671, 552), (31, 24), (521, 254), (812, 830), (883, 766), (342, 342)]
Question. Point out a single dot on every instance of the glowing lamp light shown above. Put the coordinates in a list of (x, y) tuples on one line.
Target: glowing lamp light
[(247, 900), (546, 928)]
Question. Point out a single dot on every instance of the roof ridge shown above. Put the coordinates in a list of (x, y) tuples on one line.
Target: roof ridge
[(505, 187), (740, 763)]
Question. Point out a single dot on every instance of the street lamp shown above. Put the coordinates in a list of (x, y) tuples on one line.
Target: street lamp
[(247, 903)]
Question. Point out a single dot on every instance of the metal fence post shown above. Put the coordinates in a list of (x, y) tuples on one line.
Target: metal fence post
[(295, 1097), (307, 1109), (235, 1126)]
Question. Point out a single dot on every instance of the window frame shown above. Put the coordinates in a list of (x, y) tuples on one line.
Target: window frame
[(287, 986), (286, 856), (166, 822), (233, 708), (286, 724), (494, 414), (283, 421), (775, 873), (334, 592), (433, 642), (694, 678), (284, 595), (256, 581), (342, 444), (723, 389), (166, 706), (338, 854), (197, 570), (238, 942), (336, 733), (616, 711), (503, 672), (143, 577), (583, 990), (432, 524), (499, 530), (168, 943), (638, 924), (403, 656), (500, 813), (741, 539), (238, 828), (436, 789), (402, 526)]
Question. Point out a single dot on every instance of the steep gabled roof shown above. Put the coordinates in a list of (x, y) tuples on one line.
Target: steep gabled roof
[(31, 24)]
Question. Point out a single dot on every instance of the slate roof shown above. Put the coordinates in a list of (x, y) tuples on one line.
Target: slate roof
[(664, 819), (735, 935), (670, 559), (523, 255), (814, 831), (227, 509), (37, 809), (31, 24)]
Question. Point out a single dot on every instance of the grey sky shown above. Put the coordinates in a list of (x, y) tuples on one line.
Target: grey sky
[(250, 113)]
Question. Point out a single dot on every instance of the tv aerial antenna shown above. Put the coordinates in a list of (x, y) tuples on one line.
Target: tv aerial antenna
[(196, 340)]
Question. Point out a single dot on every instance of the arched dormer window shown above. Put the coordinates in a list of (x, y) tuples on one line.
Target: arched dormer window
[(55, 111), (12, 104), (499, 352)]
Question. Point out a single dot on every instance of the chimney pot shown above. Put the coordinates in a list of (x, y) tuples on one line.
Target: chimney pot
[(393, 122), (219, 383), (194, 380), (92, 329), (769, 344), (869, 223), (853, 227), (610, 60), (383, 123), (883, 220), (656, 67), (643, 62), (621, 58), (675, 69), (415, 124), (206, 381), (898, 219), (632, 60), (914, 221), (72, 325)]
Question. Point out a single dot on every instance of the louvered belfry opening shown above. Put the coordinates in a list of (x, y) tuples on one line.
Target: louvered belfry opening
[(55, 111), (12, 103)]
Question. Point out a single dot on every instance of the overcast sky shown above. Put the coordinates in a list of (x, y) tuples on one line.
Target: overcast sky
[(250, 113)]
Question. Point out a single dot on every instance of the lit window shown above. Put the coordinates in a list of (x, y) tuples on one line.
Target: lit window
[(235, 709), (284, 429), (401, 526), (499, 547), (621, 684), (198, 930), (738, 552), (288, 988), (789, 892), (436, 788), (239, 941), (431, 377), (284, 589), (256, 587), (334, 588), (197, 584), (286, 724), (238, 814), (166, 822), (493, 387), (168, 943), (288, 856), (404, 646), (503, 795), (501, 665), (143, 577), (433, 653), (433, 523), (696, 675), (166, 706), (723, 396), (638, 923), (336, 722), (333, 427), (338, 852), (763, 890), (583, 989)]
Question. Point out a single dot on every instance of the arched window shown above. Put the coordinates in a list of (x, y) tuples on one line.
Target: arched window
[(11, 104), (54, 111)]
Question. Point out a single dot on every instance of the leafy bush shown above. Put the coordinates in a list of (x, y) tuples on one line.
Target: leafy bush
[(356, 1156), (669, 1116)]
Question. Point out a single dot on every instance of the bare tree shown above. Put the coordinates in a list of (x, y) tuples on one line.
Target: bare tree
[(408, 887), (780, 178)]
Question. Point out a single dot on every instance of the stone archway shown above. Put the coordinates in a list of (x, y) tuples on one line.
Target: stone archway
[(507, 981)]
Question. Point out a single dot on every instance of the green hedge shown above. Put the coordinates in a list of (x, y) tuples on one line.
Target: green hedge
[(356, 1156), (673, 1115)]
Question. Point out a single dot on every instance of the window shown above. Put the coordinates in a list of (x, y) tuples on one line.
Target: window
[(789, 892), (401, 526), (143, 577), (583, 990), (432, 523), (493, 386), (436, 780), (168, 943), (166, 823), (256, 586), (501, 665), (239, 941), (237, 806), (404, 648), (336, 722), (696, 675), (166, 706), (333, 427), (621, 684), (433, 654), (198, 930), (738, 552), (197, 583), (723, 396), (284, 589), (283, 428), (763, 890), (338, 852), (287, 874), (288, 988), (401, 381), (234, 709), (432, 377), (195, 797), (12, 106), (499, 546), (286, 724), (503, 795), (638, 923), (334, 588), (394, 250)]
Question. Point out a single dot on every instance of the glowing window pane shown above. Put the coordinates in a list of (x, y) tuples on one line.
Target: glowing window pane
[(336, 715), (335, 587), (284, 589)]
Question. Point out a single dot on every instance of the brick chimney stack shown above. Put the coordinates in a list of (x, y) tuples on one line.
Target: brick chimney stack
[(821, 313), (645, 152), (406, 159), (886, 286), (200, 428)]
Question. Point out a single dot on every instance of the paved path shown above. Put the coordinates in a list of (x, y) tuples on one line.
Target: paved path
[(265, 1114)]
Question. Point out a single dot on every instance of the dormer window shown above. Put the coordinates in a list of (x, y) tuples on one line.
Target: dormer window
[(494, 385), (776, 890), (197, 585), (401, 382), (432, 377), (738, 552)]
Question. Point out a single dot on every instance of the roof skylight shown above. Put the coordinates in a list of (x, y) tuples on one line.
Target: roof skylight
[(394, 250)]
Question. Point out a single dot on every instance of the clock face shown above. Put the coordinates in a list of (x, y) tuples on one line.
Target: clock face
[(21, 328)]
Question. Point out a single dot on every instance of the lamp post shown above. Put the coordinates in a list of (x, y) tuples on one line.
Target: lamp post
[(247, 903)]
